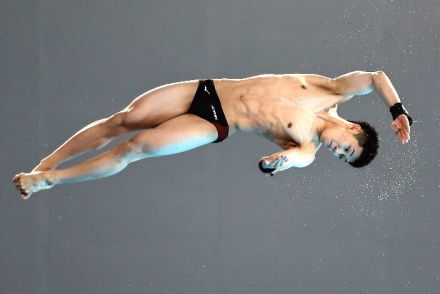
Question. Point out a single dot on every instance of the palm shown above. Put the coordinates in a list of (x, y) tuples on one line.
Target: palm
[(400, 127)]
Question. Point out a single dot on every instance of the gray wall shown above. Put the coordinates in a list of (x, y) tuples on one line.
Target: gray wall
[(207, 221)]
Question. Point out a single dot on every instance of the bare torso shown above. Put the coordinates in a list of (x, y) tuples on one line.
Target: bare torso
[(292, 110), (282, 108)]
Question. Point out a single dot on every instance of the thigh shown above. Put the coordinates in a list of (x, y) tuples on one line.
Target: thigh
[(160, 105), (177, 135)]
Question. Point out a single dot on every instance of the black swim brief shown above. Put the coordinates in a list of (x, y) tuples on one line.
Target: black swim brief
[(206, 105)]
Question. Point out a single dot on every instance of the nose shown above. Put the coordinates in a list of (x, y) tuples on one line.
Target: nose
[(337, 150)]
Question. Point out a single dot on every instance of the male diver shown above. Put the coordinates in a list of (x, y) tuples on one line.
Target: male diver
[(295, 111)]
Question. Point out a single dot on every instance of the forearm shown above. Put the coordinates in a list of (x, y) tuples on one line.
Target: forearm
[(362, 83), (385, 88), (285, 159), (401, 119), (389, 95)]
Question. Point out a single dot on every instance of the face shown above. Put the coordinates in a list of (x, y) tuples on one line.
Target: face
[(341, 141)]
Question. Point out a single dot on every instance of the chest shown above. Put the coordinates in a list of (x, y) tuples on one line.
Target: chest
[(292, 126)]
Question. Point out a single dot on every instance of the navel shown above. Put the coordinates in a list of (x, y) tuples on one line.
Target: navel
[(303, 86), (289, 125)]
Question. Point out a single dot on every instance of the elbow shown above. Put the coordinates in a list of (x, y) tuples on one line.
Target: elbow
[(378, 75)]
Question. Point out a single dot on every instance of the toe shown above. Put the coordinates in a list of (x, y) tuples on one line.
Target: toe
[(25, 196), (18, 177), (17, 185)]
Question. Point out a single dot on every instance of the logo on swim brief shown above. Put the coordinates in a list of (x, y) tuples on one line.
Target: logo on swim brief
[(214, 112), (206, 90)]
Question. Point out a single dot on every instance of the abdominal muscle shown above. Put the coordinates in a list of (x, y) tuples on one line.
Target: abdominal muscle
[(274, 106)]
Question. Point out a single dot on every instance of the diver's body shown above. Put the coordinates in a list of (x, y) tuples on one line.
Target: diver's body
[(295, 111)]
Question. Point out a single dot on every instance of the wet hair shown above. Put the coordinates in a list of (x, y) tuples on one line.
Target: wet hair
[(369, 142)]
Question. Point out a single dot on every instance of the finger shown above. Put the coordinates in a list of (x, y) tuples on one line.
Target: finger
[(402, 136), (405, 126), (401, 133), (273, 164), (404, 139), (278, 162), (399, 137)]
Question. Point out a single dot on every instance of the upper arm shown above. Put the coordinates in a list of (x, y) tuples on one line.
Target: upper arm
[(355, 83), (304, 160)]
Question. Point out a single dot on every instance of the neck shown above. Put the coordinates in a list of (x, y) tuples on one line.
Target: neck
[(326, 120), (331, 120)]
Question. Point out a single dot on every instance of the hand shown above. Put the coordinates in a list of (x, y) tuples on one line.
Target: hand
[(401, 128), (274, 162)]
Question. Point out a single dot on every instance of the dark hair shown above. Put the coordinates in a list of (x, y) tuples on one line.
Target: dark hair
[(369, 142)]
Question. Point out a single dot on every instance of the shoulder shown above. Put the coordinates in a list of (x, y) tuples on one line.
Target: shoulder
[(320, 81)]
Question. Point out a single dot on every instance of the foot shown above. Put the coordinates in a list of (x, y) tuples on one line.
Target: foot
[(28, 183)]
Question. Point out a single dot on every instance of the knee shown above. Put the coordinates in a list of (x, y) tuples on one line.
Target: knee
[(129, 119), (145, 145), (129, 149), (118, 119)]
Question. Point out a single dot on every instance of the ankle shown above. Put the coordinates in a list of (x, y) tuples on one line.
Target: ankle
[(49, 178), (48, 163)]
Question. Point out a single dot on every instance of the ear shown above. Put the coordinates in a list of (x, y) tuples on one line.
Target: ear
[(355, 128)]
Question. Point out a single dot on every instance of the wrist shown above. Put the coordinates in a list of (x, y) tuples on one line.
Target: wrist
[(398, 109)]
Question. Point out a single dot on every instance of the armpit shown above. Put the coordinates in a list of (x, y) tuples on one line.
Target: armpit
[(288, 144)]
